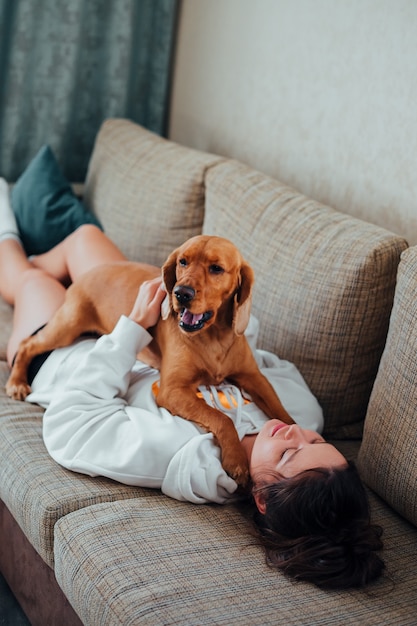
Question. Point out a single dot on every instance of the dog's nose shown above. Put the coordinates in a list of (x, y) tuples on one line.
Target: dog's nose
[(184, 294)]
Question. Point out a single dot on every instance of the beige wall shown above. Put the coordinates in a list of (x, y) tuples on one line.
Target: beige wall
[(321, 94)]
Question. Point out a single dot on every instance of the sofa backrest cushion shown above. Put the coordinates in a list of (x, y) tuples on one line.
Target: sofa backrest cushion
[(388, 454), (147, 191), (324, 284)]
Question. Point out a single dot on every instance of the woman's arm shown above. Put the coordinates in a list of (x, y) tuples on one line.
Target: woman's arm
[(102, 424), (105, 422)]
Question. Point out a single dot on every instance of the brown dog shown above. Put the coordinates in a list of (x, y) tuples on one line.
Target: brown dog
[(198, 340)]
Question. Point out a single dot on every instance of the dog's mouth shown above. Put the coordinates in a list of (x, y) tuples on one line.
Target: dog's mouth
[(190, 322)]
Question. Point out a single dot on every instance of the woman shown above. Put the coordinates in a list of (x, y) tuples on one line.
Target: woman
[(101, 418)]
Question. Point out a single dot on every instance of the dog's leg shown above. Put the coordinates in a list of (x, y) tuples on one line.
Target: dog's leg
[(263, 395), (184, 402)]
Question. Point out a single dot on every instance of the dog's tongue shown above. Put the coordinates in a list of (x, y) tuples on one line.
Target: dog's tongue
[(190, 319)]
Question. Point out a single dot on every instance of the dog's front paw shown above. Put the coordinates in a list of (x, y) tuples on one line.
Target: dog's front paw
[(241, 475), (237, 466), (17, 390)]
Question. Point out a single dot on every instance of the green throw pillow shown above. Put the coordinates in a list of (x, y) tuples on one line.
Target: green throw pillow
[(46, 208)]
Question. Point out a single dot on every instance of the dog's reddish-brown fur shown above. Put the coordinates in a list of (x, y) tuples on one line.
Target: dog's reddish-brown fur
[(209, 276)]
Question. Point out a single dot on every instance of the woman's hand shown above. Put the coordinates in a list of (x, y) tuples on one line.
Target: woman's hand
[(147, 308)]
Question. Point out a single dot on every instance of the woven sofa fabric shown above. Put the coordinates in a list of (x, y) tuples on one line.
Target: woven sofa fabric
[(147, 191), (35, 489), (388, 454), (324, 284), (166, 562)]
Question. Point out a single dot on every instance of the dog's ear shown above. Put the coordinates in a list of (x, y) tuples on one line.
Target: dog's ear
[(169, 277), (243, 299), (169, 271)]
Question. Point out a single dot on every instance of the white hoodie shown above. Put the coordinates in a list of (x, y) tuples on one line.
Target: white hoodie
[(102, 419)]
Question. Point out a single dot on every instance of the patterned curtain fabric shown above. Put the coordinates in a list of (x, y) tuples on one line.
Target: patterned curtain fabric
[(65, 66)]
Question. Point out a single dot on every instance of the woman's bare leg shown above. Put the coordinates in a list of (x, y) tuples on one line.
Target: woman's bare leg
[(13, 263), (35, 294), (36, 287), (85, 248), (39, 296)]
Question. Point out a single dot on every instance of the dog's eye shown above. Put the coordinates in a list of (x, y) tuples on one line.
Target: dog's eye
[(216, 269), (183, 262)]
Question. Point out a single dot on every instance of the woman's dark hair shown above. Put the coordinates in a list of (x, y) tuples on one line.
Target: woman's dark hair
[(316, 527)]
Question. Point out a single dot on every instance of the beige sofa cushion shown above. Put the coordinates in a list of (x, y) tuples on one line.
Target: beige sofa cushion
[(324, 284), (160, 562), (147, 191), (388, 454), (36, 490)]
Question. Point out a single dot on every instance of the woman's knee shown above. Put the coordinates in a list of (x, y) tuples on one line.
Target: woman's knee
[(38, 287), (32, 276), (82, 236), (89, 247), (82, 239), (87, 231)]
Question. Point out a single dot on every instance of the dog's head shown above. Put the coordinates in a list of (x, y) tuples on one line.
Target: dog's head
[(208, 282)]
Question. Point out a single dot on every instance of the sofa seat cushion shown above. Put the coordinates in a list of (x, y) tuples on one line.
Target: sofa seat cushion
[(165, 562), (324, 284), (148, 192), (35, 489), (388, 454)]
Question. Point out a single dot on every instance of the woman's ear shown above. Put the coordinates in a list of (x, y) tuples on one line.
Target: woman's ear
[(260, 502)]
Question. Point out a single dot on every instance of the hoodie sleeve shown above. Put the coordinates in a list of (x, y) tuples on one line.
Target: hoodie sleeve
[(196, 475), (95, 426), (105, 422)]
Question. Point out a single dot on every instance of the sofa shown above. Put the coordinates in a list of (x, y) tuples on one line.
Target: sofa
[(335, 295)]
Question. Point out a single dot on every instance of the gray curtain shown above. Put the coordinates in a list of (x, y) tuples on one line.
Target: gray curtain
[(66, 65)]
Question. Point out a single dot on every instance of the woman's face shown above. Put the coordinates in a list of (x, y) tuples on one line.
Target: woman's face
[(289, 450)]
